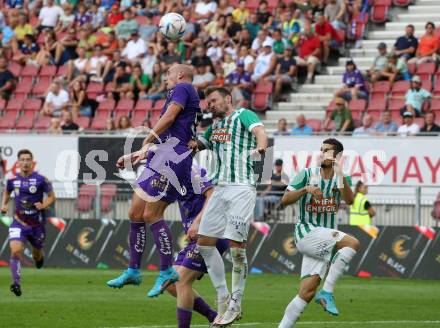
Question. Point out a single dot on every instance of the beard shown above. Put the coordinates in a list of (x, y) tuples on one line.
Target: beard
[(326, 166)]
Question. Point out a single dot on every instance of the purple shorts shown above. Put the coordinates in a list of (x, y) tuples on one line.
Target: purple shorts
[(34, 234), (167, 174), (190, 258)]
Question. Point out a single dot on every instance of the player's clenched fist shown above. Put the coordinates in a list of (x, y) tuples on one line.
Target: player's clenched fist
[(315, 191)]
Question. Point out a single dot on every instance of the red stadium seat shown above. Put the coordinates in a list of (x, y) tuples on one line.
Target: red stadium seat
[(402, 3), (14, 104), (32, 105), (98, 123), (43, 123), (95, 87), (357, 105), (141, 20), (154, 117), (15, 69), (420, 121), (356, 115), (108, 193), (158, 105), (400, 88), (83, 121), (8, 120), (106, 105), (381, 87), (62, 70), (109, 87), (86, 195), (377, 104), (260, 101), (24, 86), (125, 105), (41, 86), (396, 104), (331, 106), (426, 69), (396, 117), (48, 71), (26, 121), (375, 114), (436, 91), (435, 105), (379, 12), (30, 71), (252, 5), (264, 87), (139, 116), (412, 68), (144, 104), (427, 85), (2, 104), (315, 124)]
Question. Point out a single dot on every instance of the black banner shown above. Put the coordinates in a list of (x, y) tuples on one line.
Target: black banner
[(406, 252)]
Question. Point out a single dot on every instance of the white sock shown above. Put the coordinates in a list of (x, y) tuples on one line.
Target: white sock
[(337, 268), (239, 273), (216, 270), (292, 313)]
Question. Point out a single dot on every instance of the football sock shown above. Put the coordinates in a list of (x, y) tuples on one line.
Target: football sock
[(204, 309), (239, 274), (15, 270), (216, 270), (339, 261), (292, 313), (137, 244), (183, 318), (164, 243)]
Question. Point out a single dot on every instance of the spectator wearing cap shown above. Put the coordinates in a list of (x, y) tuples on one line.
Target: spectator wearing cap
[(301, 128), (126, 26), (200, 58), (366, 128), (49, 15), (257, 44), (135, 48), (341, 116), (291, 26), (265, 63), (335, 12), (379, 64), (253, 26), (415, 97), (408, 128), (354, 86), (240, 79), (114, 16), (241, 14), (430, 128), (405, 46), (264, 17), (285, 72), (386, 125), (271, 196), (428, 47), (309, 52), (7, 80), (281, 128), (204, 10)]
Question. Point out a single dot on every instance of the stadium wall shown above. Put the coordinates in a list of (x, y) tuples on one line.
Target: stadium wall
[(399, 252)]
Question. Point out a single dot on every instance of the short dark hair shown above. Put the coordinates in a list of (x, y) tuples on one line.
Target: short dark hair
[(337, 146), (411, 25), (430, 24), (24, 152), (222, 90)]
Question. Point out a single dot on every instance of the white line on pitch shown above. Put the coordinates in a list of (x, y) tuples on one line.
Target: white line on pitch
[(308, 323)]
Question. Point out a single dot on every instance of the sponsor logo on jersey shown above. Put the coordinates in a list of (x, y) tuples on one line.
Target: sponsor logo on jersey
[(322, 205), (221, 135), (32, 189)]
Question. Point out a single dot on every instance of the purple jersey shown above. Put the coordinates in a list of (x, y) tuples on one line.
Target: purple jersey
[(28, 191), (193, 203), (184, 127)]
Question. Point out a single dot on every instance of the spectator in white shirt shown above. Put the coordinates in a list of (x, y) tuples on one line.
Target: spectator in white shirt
[(135, 48), (56, 100), (257, 44), (96, 64), (205, 9), (202, 78), (366, 128), (215, 52), (408, 127), (49, 15)]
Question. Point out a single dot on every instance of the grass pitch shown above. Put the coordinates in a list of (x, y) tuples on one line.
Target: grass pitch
[(64, 298)]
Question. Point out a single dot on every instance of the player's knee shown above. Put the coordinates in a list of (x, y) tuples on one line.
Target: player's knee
[(15, 253), (355, 244), (307, 294), (134, 215)]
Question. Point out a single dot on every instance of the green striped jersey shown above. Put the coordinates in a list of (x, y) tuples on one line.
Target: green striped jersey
[(316, 212), (232, 139)]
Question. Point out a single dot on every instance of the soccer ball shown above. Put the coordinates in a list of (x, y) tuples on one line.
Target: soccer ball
[(172, 26)]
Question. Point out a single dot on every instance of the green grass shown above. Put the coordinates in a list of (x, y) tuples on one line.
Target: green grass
[(79, 298)]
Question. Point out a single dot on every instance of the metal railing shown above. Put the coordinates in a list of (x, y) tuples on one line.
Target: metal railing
[(402, 206)]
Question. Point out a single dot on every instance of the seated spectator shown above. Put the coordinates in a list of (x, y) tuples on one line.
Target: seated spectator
[(429, 44), (247, 59), (127, 26), (309, 53), (66, 20), (205, 10), (215, 51), (82, 17), (233, 29), (139, 84), (386, 125), (415, 97), (228, 65), (23, 28), (405, 46), (291, 26), (279, 44), (49, 15), (158, 87), (149, 60), (147, 30), (110, 125), (110, 67), (335, 12), (265, 63), (281, 128), (77, 66), (81, 105), (201, 59), (408, 128), (135, 49), (66, 48), (57, 100), (285, 72), (170, 57), (28, 51), (257, 44), (366, 128), (216, 28), (124, 125), (95, 65), (47, 49), (68, 124), (301, 128), (354, 84), (430, 128), (87, 39), (7, 80), (341, 116), (114, 16), (108, 43), (397, 69), (273, 193), (55, 126), (252, 26), (121, 83), (379, 64), (240, 79), (264, 17), (202, 78), (241, 13), (326, 33)]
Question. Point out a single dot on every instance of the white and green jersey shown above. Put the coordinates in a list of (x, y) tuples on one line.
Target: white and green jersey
[(232, 139), (316, 212)]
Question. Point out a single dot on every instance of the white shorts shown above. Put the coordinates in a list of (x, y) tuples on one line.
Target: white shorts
[(229, 212), (317, 248)]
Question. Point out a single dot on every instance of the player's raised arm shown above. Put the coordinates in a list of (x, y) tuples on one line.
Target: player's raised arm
[(344, 183)]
